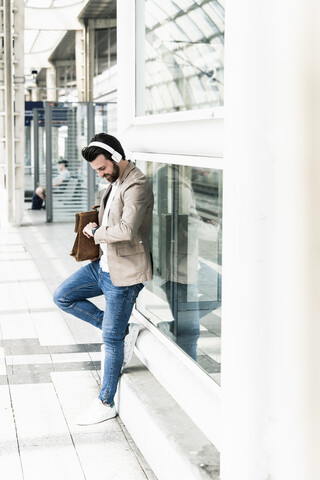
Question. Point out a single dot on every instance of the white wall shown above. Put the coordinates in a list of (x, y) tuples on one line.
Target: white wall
[(271, 259)]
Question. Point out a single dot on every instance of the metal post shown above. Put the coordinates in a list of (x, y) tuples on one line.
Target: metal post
[(91, 173), (36, 146), (48, 127), (174, 247)]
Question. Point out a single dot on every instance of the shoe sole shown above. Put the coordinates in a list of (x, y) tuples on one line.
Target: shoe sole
[(134, 340), (82, 424)]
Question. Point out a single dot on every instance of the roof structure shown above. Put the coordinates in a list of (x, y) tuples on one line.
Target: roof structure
[(98, 9), (46, 23)]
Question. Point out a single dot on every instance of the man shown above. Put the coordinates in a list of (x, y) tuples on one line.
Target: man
[(124, 265), (182, 283), (59, 184)]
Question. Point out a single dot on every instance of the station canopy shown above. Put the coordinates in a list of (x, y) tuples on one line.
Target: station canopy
[(46, 23)]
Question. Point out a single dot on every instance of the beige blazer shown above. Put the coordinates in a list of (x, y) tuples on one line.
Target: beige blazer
[(128, 230)]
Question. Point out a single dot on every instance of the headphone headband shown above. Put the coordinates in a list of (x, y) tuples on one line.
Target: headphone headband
[(114, 154)]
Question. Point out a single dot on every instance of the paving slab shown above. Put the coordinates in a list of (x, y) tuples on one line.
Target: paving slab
[(45, 444), (103, 449), (9, 447), (50, 369)]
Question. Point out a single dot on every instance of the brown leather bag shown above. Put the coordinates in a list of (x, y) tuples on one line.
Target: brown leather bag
[(84, 248)]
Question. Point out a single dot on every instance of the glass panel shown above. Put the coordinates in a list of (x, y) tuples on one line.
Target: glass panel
[(184, 55), (105, 120), (35, 163), (105, 49), (184, 298), (69, 134), (42, 152), (28, 166), (70, 185)]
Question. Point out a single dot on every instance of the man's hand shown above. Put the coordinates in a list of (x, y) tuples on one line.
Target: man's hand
[(87, 231)]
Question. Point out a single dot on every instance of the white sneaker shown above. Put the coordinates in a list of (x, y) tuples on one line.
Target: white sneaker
[(97, 413), (129, 343)]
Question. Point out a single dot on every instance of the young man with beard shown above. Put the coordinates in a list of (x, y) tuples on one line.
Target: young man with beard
[(124, 265)]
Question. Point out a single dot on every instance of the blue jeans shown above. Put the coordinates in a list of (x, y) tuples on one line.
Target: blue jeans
[(71, 296), (186, 325)]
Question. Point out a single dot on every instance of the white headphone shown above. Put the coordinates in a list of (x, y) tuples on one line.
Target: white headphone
[(114, 154)]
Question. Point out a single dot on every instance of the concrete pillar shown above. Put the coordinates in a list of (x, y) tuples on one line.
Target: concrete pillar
[(9, 173), (80, 64), (35, 95), (2, 115), (89, 61), (51, 75), (19, 110), (297, 239), (271, 254), (12, 113)]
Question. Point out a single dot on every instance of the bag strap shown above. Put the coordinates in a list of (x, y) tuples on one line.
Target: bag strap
[(76, 225)]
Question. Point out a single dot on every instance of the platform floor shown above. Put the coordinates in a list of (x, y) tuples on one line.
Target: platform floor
[(49, 369)]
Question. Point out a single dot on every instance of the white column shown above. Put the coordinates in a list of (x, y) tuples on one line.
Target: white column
[(35, 93), (2, 121), (12, 113), (271, 252), (297, 239), (51, 77), (8, 194), (80, 64), (89, 60), (19, 109)]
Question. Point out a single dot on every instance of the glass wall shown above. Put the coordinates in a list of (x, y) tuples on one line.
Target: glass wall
[(184, 47), (69, 180), (32, 172), (184, 298), (28, 167), (105, 45), (74, 187)]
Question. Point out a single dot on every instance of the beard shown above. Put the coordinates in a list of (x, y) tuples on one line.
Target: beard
[(114, 175)]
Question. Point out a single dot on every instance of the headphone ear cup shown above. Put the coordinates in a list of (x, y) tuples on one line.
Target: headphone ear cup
[(116, 156)]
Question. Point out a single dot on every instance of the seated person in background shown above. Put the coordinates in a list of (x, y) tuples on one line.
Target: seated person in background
[(59, 183)]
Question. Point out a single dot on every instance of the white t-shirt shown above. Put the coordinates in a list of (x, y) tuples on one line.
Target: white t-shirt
[(104, 246), (63, 175)]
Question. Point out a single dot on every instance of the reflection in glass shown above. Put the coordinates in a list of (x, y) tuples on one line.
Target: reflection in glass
[(184, 298), (184, 47)]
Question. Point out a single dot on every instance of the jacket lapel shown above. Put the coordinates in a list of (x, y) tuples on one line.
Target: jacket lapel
[(128, 169), (103, 203)]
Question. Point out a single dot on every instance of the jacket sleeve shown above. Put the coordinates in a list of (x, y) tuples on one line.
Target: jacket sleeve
[(136, 198)]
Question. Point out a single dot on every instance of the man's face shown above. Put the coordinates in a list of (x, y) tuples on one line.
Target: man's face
[(105, 168)]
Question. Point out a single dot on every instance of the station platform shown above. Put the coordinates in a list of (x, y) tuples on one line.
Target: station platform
[(50, 369)]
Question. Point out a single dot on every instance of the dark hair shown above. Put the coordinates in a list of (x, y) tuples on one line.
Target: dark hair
[(63, 161), (91, 153)]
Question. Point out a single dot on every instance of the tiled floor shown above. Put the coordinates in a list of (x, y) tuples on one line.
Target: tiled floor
[(49, 369)]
